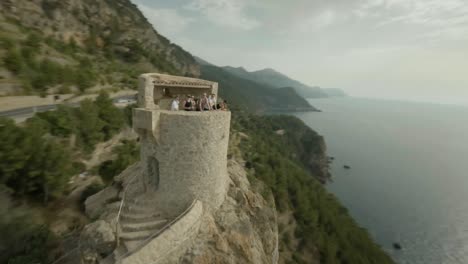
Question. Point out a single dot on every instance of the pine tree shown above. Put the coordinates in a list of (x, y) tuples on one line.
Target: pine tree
[(12, 150), (90, 125), (110, 114)]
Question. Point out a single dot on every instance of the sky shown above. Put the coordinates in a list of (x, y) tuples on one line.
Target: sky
[(394, 49)]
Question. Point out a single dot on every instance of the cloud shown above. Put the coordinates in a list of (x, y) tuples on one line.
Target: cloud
[(319, 21), (227, 13), (421, 12), (169, 21), (434, 20)]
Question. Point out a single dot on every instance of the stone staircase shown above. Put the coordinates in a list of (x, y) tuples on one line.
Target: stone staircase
[(139, 220)]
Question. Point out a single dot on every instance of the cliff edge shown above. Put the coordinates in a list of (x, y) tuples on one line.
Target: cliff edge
[(243, 230)]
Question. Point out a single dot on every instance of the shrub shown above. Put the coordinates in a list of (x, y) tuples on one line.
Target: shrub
[(13, 61), (26, 245), (112, 117), (127, 154)]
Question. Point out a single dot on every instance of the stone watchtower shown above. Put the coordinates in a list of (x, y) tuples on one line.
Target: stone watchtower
[(183, 153)]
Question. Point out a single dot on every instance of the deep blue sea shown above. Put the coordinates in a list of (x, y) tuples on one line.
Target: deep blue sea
[(408, 181)]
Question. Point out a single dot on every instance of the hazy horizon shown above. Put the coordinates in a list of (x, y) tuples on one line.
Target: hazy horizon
[(413, 50)]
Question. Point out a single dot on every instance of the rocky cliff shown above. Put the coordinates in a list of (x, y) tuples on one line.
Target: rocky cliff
[(242, 230)]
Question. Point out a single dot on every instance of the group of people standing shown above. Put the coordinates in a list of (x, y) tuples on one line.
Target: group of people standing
[(204, 103)]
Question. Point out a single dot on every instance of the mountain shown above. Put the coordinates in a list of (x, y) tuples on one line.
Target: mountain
[(203, 62), (54, 46), (277, 80), (254, 96)]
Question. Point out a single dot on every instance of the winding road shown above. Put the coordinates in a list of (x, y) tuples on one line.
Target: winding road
[(21, 114)]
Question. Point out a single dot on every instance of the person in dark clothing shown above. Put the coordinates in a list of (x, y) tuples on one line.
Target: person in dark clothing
[(189, 103), (222, 106)]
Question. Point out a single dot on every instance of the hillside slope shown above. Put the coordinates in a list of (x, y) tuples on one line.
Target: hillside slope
[(254, 96), (313, 226), (50, 46)]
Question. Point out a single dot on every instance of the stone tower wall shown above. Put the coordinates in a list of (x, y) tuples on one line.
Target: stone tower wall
[(191, 152)]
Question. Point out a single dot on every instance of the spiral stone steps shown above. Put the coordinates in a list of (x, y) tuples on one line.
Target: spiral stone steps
[(139, 218), (139, 221), (150, 225)]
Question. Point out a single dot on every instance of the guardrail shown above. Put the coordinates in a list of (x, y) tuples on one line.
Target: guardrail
[(117, 222)]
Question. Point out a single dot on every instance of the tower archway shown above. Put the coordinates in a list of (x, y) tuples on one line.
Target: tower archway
[(153, 172)]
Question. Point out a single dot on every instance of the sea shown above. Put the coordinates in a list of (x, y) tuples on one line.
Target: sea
[(408, 176)]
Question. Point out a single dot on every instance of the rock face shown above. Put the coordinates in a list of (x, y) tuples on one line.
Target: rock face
[(97, 239), (243, 230)]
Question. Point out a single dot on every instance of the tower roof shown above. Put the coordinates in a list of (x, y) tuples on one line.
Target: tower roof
[(164, 80)]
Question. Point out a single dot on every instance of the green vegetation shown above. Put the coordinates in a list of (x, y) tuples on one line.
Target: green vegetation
[(323, 225), (23, 241), (39, 73), (127, 154), (37, 160), (112, 117), (27, 242), (29, 164), (42, 63)]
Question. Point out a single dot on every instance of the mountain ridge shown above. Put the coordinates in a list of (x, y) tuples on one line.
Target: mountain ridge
[(278, 80), (254, 96)]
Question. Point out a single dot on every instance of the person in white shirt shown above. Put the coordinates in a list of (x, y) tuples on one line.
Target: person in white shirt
[(175, 104), (213, 101), (204, 103)]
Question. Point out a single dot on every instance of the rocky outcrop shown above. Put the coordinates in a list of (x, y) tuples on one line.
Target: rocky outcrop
[(97, 239), (243, 230)]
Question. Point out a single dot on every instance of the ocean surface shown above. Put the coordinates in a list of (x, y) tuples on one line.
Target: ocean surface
[(408, 181)]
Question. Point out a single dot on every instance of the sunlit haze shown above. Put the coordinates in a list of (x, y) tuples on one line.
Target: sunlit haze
[(394, 49)]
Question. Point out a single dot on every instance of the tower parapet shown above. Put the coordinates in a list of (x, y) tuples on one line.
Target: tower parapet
[(183, 153)]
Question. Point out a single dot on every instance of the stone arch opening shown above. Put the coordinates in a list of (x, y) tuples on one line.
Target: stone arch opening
[(153, 172)]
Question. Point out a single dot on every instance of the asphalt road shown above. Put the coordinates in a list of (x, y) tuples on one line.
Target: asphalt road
[(26, 112)]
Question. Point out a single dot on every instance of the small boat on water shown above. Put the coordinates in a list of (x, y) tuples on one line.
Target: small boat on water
[(396, 246)]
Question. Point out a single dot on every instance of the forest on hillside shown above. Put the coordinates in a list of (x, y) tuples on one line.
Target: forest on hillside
[(326, 233), (38, 159)]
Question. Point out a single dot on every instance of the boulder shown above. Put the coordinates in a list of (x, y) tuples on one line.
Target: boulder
[(97, 240), (95, 204)]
